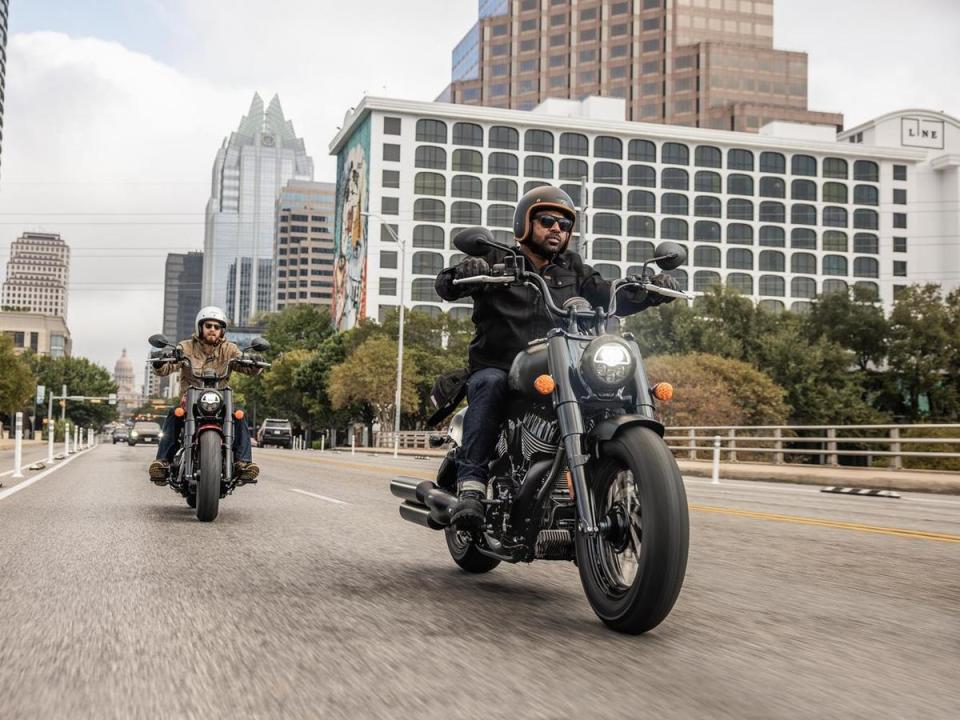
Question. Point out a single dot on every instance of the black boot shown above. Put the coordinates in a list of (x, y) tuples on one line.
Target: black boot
[(468, 514)]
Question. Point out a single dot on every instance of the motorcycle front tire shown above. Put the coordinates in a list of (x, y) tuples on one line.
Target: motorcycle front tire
[(211, 471)]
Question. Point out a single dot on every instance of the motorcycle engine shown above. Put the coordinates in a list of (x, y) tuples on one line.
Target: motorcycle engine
[(538, 435)]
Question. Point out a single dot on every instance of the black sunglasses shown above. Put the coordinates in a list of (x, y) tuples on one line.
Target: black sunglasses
[(548, 221), (212, 326)]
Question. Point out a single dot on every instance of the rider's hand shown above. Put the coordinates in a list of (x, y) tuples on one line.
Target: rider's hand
[(664, 281), (471, 267)]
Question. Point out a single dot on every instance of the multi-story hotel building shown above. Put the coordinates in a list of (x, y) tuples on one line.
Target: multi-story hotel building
[(781, 215), (37, 274), (703, 63), (37, 333), (303, 252)]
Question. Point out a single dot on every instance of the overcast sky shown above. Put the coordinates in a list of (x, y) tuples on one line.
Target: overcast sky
[(115, 109)]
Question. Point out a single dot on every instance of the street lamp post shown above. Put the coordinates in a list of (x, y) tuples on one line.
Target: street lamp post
[(396, 398)]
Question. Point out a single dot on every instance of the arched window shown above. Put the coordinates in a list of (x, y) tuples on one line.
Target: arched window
[(772, 187), (607, 271), (639, 251), (707, 156), (772, 306), (423, 290), (703, 280), (641, 226), (607, 224), (835, 286), (834, 192), (503, 164), (866, 267), (869, 290), (607, 198), (608, 172), (429, 210), (706, 181), (434, 131), (739, 259), (466, 186), (834, 216), (427, 183), (574, 144), (641, 176), (771, 211), (801, 307), (739, 209), (605, 249), (772, 162), (706, 256), (537, 166), (539, 141), (866, 171), (740, 233), (706, 206), (738, 159), (741, 283), (835, 241), (803, 239), (803, 165), (427, 263), (467, 134), (739, 184), (641, 201), (772, 261), (674, 204), (502, 189), (605, 146), (674, 179), (803, 190), (428, 156), (500, 215), (706, 231), (461, 313), (866, 243), (803, 215), (772, 236), (675, 154), (428, 236), (431, 310), (803, 263), (573, 169), (465, 213), (504, 138), (772, 285), (865, 219), (679, 275), (674, 229), (467, 161), (835, 168), (803, 287), (865, 195), (834, 265), (642, 151)]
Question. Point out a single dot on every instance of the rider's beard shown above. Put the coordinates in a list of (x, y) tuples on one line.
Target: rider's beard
[(541, 250)]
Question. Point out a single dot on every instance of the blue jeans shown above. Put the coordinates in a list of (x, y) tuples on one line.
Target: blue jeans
[(173, 427), (486, 410)]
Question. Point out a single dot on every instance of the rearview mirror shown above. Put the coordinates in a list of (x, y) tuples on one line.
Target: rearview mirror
[(670, 255), (475, 241), (259, 344), (159, 341)]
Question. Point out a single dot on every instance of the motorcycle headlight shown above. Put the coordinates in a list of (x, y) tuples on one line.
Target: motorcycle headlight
[(607, 364), (210, 402)]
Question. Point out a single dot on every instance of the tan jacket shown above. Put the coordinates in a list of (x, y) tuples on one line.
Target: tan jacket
[(203, 357)]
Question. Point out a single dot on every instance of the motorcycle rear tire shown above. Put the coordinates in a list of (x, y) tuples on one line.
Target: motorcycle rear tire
[(466, 555), (211, 471), (643, 602)]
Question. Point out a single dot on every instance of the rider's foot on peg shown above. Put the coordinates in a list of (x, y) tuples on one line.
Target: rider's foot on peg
[(468, 513), (246, 472), (159, 470)]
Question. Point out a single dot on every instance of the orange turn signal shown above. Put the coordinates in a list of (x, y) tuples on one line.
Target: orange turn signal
[(662, 391), (179, 412), (544, 384), (238, 414)]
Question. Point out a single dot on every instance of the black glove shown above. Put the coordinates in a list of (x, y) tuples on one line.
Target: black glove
[(471, 267), (664, 281)]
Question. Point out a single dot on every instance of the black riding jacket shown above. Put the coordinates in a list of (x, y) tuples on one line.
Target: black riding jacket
[(508, 317)]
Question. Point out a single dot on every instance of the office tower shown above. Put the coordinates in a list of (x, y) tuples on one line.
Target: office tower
[(37, 275), (303, 256)]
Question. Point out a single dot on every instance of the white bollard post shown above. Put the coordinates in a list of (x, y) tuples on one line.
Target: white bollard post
[(66, 438), (323, 442), (76, 438), (90, 437), (18, 445), (50, 426), (716, 460), (353, 444), (396, 444)]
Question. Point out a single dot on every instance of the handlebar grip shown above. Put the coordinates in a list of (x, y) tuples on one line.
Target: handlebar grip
[(479, 279)]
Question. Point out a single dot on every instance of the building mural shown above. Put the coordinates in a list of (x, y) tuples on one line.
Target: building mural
[(350, 231)]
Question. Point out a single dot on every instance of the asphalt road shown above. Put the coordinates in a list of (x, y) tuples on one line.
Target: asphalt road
[(310, 597)]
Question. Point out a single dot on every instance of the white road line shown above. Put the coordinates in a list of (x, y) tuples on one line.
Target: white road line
[(319, 497), (31, 480)]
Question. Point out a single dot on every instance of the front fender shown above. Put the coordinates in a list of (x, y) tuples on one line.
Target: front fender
[(608, 429)]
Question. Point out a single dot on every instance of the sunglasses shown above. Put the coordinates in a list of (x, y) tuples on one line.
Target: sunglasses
[(211, 326), (548, 221)]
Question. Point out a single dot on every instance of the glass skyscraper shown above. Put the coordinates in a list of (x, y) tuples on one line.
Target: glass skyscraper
[(251, 167)]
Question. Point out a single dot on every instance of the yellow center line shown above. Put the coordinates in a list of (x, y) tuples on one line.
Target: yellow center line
[(736, 512)]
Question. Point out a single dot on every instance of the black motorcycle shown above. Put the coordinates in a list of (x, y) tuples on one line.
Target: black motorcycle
[(202, 469), (581, 471)]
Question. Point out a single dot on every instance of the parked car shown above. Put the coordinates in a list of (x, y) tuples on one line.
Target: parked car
[(145, 432), (121, 434), (275, 431)]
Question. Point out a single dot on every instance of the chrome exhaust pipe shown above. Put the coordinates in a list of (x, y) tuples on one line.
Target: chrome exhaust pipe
[(440, 502), (420, 515)]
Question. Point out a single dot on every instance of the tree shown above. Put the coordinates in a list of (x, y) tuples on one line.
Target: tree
[(298, 327), (283, 399), (16, 378), (856, 323), (81, 377), (312, 379)]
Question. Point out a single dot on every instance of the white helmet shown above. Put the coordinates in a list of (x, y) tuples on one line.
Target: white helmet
[(210, 312)]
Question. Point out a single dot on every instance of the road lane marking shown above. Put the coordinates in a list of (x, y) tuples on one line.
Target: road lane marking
[(31, 480), (319, 497), (836, 524)]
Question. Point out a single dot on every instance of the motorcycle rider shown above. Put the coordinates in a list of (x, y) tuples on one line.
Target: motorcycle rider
[(208, 349), (507, 318)]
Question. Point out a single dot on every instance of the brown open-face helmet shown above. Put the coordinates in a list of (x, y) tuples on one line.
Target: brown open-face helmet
[(539, 199)]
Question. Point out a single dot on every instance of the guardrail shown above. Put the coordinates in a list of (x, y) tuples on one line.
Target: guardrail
[(862, 445)]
